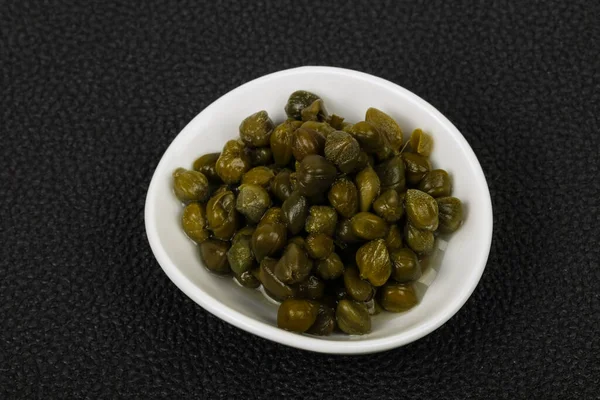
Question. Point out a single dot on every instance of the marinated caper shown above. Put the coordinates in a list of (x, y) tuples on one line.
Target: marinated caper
[(272, 215), (368, 185), (421, 210), (324, 323), (393, 239), (233, 162), (248, 279), (272, 285), (294, 266), (315, 175), (374, 263), (281, 185), (252, 201), (370, 139), (389, 205), (316, 111), (246, 231), (298, 101), (421, 143), (322, 127), (420, 241), (261, 156), (353, 317), (261, 176), (342, 150), (268, 239), (299, 240), (356, 287), (368, 226), (436, 183), (240, 256), (319, 245), (221, 215), (397, 297), (344, 233), (194, 222), (297, 315), (295, 211), (281, 140), (306, 142), (344, 197), (391, 174), (330, 267), (450, 214), (190, 185), (416, 167), (321, 219), (311, 288), (214, 255), (206, 164), (405, 265), (256, 129), (387, 126)]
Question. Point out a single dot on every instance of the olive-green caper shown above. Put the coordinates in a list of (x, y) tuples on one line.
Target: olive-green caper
[(246, 231), (316, 111), (391, 174), (368, 226), (272, 215), (324, 323), (252, 201), (343, 196), (416, 167), (330, 267), (344, 233), (421, 210), (370, 139), (248, 279), (261, 176), (281, 185), (357, 288), (221, 215), (190, 185), (342, 150), (336, 122), (294, 266), (319, 245), (256, 129), (299, 240), (321, 219), (194, 222), (214, 256), (297, 315), (393, 239), (405, 265), (268, 239), (420, 241), (450, 214), (436, 183), (260, 156), (272, 285), (368, 185), (306, 142), (353, 317), (298, 101), (373, 262), (315, 175), (233, 162), (322, 127), (240, 256), (389, 205), (281, 140), (295, 211), (206, 164), (311, 288), (397, 297), (387, 126), (421, 143)]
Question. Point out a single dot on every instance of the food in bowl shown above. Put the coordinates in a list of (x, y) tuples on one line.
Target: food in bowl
[(330, 218)]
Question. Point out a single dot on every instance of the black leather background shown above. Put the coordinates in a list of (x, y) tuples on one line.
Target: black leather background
[(92, 93)]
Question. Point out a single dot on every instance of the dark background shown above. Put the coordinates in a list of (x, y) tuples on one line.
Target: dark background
[(93, 93)]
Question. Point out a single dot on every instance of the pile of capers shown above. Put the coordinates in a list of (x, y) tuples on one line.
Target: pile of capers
[(332, 219)]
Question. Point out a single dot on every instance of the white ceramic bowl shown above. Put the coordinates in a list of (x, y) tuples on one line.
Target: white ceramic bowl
[(455, 273)]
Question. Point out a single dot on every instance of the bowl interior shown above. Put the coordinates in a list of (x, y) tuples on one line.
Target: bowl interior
[(455, 270)]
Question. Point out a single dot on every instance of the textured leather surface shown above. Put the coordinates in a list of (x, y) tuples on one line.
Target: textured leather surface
[(93, 93)]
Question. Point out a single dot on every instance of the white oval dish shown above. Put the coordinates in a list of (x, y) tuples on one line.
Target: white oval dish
[(347, 93)]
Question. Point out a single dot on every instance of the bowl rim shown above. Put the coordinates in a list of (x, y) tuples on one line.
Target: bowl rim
[(305, 342)]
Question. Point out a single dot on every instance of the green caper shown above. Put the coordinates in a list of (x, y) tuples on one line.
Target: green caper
[(252, 201), (221, 215), (311, 288), (368, 185), (240, 256), (295, 211), (450, 214), (405, 265), (246, 231), (268, 239), (319, 245), (281, 140), (281, 185), (321, 219), (261, 176), (436, 183), (206, 164), (357, 288), (353, 317), (194, 222), (248, 279), (421, 143), (298, 101), (393, 239), (324, 323), (297, 315), (261, 156), (306, 142), (336, 122), (315, 175), (256, 129), (416, 167), (331, 267), (342, 150), (391, 174), (272, 285), (214, 256), (299, 240), (272, 215), (344, 197), (370, 139), (322, 127), (421, 210), (389, 205), (387, 126), (368, 226), (397, 297), (420, 241), (294, 266), (373, 262), (233, 162), (316, 111), (344, 233), (190, 185)]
